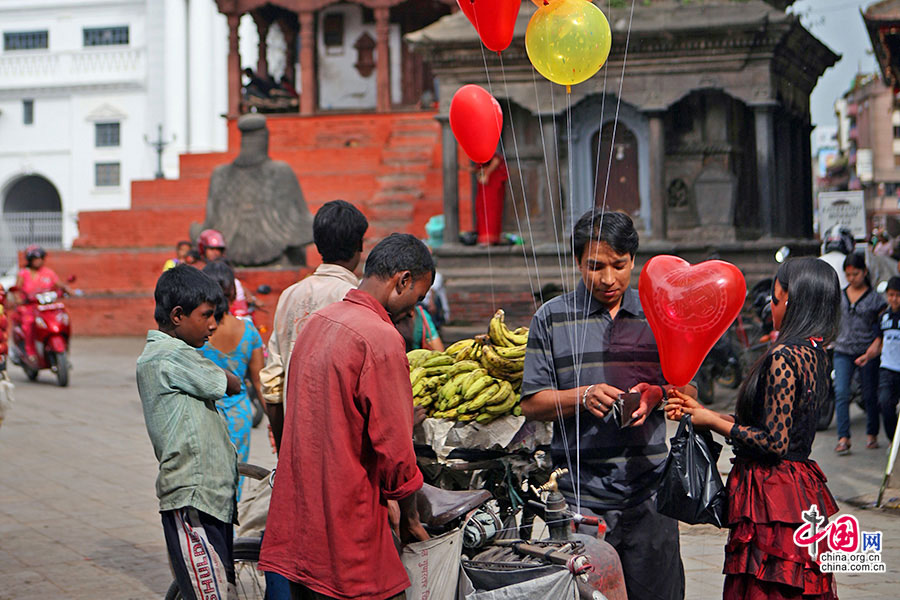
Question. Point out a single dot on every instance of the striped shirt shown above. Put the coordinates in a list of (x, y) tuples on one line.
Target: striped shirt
[(574, 342)]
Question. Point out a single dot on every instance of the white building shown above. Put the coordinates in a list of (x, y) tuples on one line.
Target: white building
[(84, 86)]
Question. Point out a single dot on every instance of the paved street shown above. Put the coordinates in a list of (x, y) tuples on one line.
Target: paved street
[(78, 512)]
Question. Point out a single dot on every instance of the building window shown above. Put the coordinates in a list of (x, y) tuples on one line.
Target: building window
[(28, 112), (25, 40), (106, 36), (897, 132), (333, 31), (106, 134), (106, 174)]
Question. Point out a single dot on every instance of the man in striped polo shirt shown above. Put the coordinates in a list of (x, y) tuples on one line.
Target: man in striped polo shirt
[(584, 349)]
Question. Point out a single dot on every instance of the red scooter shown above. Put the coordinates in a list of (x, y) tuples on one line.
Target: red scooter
[(51, 336)]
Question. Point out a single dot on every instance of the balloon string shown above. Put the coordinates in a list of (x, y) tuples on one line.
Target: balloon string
[(593, 200), (484, 203), (475, 207), (512, 126), (609, 163), (562, 275), (577, 479), (509, 183)]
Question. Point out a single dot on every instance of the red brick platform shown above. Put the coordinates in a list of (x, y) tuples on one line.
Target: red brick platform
[(388, 165)]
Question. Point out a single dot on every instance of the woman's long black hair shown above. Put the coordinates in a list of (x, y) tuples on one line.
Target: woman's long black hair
[(813, 311)]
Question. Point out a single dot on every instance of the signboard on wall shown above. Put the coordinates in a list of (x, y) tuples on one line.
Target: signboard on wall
[(864, 167), (843, 208)]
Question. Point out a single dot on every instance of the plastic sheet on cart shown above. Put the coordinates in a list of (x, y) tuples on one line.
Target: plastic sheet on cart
[(508, 433), (557, 585), (433, 567)]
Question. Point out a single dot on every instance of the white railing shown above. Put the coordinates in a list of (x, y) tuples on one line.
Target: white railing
[(80, 67)]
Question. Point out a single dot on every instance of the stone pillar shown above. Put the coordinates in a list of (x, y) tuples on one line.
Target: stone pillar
[(657, 175), (309, 92), (291, 56), (262, 62), (234, 67), (450, 172), (383, 59), (764, 120)]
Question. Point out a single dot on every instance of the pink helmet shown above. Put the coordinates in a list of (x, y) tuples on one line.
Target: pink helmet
[(34, 251), (210, 238)]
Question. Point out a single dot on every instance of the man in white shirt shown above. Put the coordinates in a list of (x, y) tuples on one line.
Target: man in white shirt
[(338, 231)]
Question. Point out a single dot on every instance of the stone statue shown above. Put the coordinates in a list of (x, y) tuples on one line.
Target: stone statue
[(257, 203)]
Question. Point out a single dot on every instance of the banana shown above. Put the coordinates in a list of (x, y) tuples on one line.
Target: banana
[(517, 411), (440, 359), (499, 409), (510, 351), (415, 375), (462, 366), (418, 388), (450, 414), (453, 402), (485, 418), (464, 418), (416, 357), (482, 398), (477, 386), (437, 370), (496, 329), (501, 395), (424, 401), (501, 367), (515, 339), (466, 383), (456, 347)]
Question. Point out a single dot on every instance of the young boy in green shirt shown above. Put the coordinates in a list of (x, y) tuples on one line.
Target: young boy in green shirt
[(197, 461)]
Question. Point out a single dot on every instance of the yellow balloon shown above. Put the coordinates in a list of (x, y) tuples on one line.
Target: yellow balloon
[(568, 41)]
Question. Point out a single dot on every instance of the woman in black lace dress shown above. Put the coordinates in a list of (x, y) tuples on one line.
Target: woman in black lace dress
[(773, 479)]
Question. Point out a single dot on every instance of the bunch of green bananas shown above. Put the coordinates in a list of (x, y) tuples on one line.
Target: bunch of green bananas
[(476, 379)]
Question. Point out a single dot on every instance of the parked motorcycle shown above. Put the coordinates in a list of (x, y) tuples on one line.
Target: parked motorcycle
[(51, 337)]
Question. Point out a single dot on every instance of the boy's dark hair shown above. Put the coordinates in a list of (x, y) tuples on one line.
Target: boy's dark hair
[(183, 286), (399, 252), (222, 273), (194, 254), (613, 228), (187, 243), (338, 231), (894, 283)]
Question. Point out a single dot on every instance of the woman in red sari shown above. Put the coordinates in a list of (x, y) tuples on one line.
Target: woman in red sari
[(492, 177), (773, 481)]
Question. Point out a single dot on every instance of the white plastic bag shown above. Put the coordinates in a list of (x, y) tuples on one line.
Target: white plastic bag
[(433, 567), (556, 586)]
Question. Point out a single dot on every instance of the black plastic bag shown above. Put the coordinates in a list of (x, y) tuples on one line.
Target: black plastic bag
[(691, 488)]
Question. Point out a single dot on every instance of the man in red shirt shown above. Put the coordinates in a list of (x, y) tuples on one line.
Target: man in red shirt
[(347, 444)]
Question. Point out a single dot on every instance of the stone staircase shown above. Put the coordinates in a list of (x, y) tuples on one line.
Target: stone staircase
[(387, 165)]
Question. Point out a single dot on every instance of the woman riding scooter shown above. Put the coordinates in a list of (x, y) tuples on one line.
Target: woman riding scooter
[(34, 279)]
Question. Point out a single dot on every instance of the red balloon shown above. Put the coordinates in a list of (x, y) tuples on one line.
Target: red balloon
[(689, 308), (3, 349), (476, 121), (494, 20)]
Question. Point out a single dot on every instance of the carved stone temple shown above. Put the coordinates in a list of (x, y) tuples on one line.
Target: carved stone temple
[(712, 140)]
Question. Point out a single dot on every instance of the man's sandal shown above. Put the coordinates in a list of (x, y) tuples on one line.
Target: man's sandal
[(843, 447)]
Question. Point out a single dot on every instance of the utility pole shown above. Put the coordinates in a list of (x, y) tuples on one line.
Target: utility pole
[(159, 144)]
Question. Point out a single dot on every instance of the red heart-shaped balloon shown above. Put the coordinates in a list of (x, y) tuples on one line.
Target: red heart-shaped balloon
[(689, 308), (476, 121), (494, 20)]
